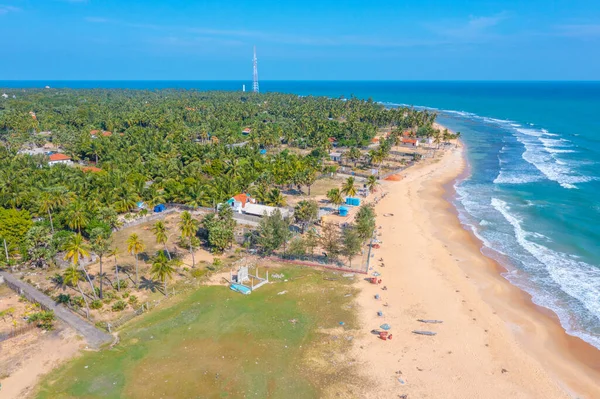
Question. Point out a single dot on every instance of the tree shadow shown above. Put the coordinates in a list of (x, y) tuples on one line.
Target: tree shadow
[(129, 270), (144, 257), (152, 285)]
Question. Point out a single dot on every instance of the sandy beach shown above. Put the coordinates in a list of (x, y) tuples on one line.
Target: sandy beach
[(493, 342)]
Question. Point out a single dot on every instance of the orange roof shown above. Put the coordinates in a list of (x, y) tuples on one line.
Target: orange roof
[(332, 140), (94, 132), (91, 169), (106, 134), (59, 157), (247, 130), (409, 141), (243, 198), (375, 140), (406, 134)]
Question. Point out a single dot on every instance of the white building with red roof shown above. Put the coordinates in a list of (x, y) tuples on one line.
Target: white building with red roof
[(55, 159)]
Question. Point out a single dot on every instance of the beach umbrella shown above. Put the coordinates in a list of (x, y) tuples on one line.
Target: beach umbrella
[(385, 326)]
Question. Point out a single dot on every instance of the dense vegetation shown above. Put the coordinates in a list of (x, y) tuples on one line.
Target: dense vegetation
[(166, 146)]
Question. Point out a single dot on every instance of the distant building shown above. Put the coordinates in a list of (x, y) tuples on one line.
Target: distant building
[(91, 169), (238, 202), (246, 131), (335, 156), (5, 95), (410, 142), (56, 159), (261, 210)]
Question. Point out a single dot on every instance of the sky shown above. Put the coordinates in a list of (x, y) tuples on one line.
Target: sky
[(300, 40)]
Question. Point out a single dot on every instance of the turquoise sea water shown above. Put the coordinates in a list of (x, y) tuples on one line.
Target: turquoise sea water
[(533, 197)]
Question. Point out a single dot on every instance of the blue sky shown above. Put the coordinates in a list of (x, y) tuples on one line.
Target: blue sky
[(354, 40)]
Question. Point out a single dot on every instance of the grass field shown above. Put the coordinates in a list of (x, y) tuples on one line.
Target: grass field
[(215, 343)]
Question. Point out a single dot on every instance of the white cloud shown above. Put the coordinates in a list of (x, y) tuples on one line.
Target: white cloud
[(580, 31), (5, 9)]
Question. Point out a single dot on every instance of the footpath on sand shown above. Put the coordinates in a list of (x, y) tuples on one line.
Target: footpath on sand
[(95, 337)]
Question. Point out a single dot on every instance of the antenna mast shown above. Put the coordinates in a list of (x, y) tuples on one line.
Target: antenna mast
[(255, 73)]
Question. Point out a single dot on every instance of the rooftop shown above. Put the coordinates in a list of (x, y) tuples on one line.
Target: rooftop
[(59, 157)]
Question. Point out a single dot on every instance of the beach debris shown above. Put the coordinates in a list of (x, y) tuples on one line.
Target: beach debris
[(430, 321), (376, 296), (424, 332), (282, 292), (277, 275), (384, 288), (401, 381), (376, 274), (405, 396), (504, 371), (342, 323), (380, 313), (386, 304), (347, 295), (387, 215), (385, 326), (384, 335), (348, 275), (294, 321)]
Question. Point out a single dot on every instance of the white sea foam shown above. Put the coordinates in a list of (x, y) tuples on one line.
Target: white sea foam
[(541, 153), (506, 177), (579, 280)]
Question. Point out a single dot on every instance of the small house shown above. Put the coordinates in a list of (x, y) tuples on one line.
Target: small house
[(246, 131), (91, 169), (55, 159), (238, 202), (261, 210), (335, 156), (410, 142)]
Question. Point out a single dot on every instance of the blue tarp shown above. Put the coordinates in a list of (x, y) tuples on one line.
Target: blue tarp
[(160, 208), (343, 211)]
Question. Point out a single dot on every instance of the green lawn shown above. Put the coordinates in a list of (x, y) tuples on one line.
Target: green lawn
[(216, 343)]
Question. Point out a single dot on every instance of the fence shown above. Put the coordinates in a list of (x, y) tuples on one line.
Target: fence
[(15, 332)]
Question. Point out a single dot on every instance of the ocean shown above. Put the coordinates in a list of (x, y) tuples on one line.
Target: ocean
[(533, 194)]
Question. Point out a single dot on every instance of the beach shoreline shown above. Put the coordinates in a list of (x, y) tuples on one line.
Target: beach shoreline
[(492, 335)]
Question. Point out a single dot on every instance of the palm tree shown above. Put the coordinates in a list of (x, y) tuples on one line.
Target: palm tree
[(188, 227), (348, 188), (160, 231), (76, 248), (47, 204), (276, 198), (77, 216), (335, 197), (135, 246), (101, 246), (372, 183), (114, 252), (354, 154), (71, 276), (162, 269)]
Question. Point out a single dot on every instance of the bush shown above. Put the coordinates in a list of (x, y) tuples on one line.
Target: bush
[(133, 299), (119, 306), (63, 298), (77, 301), (96, 304), (43, 319), (125, 295), (197, 273), (123, 284)]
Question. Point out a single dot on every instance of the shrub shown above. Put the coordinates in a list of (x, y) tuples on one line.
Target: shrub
[(63, 298), (43, 319), (119, 306), (125, 295), (123, 284), (197, 273), (77, 301), (96, 304), (133, 299)]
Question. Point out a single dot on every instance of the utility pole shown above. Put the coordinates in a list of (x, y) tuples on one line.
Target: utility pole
[(255, 73)]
